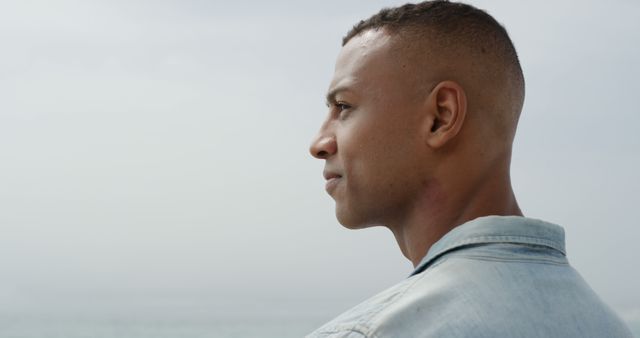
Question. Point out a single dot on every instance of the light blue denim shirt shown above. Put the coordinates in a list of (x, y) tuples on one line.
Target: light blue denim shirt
[(491, 277)]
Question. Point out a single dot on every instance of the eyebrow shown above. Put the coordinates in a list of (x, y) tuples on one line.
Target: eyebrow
[(331, 95)]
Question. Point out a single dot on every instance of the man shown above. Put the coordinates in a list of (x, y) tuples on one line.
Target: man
[(423, 109)]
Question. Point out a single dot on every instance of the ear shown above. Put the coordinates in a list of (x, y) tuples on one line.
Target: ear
[(447, 109)]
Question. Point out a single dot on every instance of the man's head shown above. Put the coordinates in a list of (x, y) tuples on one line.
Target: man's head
[(423, 107)]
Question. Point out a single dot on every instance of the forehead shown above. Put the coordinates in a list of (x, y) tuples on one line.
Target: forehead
[(365, 56)]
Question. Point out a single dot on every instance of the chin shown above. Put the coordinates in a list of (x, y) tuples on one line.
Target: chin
[(351, 221)]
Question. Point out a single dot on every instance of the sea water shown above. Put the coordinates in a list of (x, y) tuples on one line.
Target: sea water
[(129, 328)]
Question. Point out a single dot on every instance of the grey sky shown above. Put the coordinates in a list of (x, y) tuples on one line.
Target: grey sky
[(154, 154)]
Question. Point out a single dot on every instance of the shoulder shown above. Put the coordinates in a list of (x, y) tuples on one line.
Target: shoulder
[(393, 311), (480, 297), (363, 320)]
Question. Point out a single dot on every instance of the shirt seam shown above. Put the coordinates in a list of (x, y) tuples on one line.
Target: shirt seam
[(348, 329), (506, 239), (508, 260)]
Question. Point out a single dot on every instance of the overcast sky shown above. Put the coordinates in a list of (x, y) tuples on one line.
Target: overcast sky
[(154, 154)]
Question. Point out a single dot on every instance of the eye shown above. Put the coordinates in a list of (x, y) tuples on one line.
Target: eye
[(342, 109), (342, 106)]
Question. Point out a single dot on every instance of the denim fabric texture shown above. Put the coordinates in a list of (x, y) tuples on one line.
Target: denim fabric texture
[(495, 276)]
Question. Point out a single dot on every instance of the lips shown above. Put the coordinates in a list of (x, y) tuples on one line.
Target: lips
[(329, 176), (332, 180)]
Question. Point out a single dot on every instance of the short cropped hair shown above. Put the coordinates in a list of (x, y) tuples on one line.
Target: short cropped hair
[(460, 28), (450, 20)]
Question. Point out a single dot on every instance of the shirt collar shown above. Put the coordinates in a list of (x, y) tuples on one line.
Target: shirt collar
[(496, 229)]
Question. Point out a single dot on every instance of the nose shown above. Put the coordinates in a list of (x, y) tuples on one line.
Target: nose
[(324, 145)]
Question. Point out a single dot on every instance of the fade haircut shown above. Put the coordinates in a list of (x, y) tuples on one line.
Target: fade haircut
[(456, 29)]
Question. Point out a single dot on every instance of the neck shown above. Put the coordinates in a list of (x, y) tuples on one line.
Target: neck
[(443, 207)]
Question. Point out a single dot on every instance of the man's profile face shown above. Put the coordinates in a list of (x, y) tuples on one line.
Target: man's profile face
[(371, 139)]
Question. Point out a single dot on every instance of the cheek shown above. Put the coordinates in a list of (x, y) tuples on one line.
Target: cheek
[(359, 158), (370, 164), (379, 146)]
